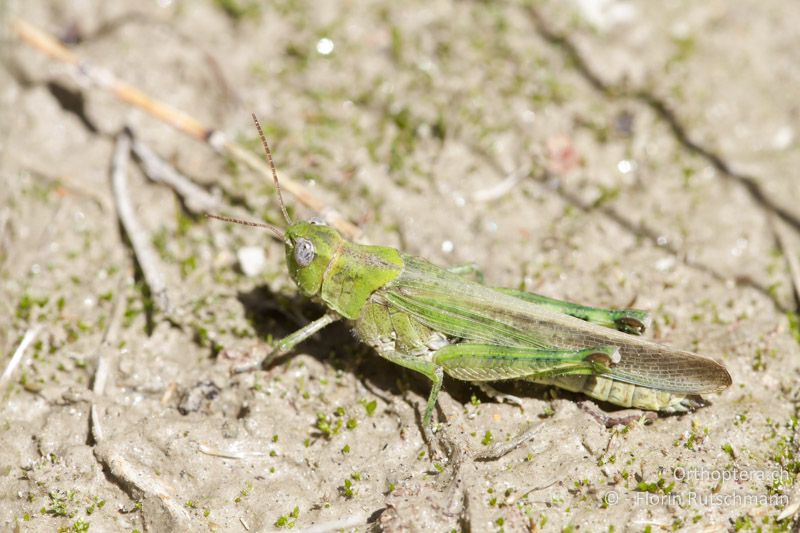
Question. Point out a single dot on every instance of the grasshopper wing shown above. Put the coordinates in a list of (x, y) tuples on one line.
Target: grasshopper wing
[(466, 311)]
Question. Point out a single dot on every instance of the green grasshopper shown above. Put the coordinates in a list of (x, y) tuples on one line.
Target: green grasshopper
[(436, 321)]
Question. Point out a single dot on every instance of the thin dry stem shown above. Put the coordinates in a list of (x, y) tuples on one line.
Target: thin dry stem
[(229, 454), (139, 239), (625, 417), (196, 199), (137, 479), (186, 123), (105, 351), (19, 353), (504, 448), (499, 189)]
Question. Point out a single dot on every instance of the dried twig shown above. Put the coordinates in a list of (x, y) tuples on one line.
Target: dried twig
[(104, 351), (499, 189), (104, 79), (196, 199), (19, 353), (140, 242), (101, 374), (498, 396), (104, 362), (624, 417), (229, 454), (96, 425), (132, 478), (535, 489), (503, 448), (136, 480)]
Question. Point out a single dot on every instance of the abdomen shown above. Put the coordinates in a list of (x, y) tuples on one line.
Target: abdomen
[(624, 394)]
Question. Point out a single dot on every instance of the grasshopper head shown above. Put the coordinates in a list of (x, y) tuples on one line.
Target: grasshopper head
[(309, 249)]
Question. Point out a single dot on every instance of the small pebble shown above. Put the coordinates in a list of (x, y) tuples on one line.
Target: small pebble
[(252, 260)]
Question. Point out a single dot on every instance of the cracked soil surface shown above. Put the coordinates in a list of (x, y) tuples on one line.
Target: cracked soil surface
[(612, 153)]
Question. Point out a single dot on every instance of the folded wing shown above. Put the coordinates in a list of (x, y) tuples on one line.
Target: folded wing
[(471, 312)]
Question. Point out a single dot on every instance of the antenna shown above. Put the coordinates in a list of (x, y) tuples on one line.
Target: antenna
[(272, 166), (274, 229)]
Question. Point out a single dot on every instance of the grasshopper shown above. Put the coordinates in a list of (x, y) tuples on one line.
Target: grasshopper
[(436, 321)]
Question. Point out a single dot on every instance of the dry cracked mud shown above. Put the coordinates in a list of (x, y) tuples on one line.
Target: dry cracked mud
[(612, 153)]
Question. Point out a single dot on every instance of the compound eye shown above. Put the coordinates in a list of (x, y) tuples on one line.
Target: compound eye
[(317, 221), (304, 252)]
